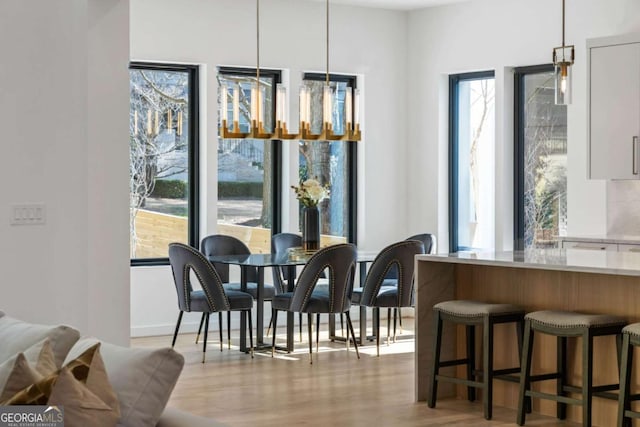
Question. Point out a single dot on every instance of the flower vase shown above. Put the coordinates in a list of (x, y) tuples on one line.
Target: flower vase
[(310, 228)]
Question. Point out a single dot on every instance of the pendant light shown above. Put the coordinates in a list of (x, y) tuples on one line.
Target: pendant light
[(351, 107), (563, 58), (258, 92)]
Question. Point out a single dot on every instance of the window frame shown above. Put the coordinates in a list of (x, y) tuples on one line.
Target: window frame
[(352, 156), (454, 80), (193, 71), (276, 144), (518, 150)]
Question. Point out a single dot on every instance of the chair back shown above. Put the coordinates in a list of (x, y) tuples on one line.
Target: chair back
[(219, 244), (399, 255), (340, 260), (183, 260), (428, 239), (280, 243)]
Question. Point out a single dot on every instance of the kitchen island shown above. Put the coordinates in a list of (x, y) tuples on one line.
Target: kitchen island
[(547, 279)]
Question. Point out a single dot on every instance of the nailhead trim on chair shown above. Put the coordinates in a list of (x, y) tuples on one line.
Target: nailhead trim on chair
[(607, 320), (448, 307)]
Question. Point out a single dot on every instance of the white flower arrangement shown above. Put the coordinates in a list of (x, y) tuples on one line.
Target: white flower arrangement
[(310, 192)]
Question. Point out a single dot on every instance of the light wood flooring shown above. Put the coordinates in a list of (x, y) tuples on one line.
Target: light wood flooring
[(338, 389)]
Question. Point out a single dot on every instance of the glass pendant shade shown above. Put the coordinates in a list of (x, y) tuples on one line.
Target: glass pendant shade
[(236, 105), (327, 106), (223, 103), (563, 61), (281, 108)]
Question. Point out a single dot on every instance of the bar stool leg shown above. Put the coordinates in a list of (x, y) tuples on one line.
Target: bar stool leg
[(435, 363), (525, 371), (587, 378), (624, 401), (471, 360), (487, 367), (519, 334), (561, 364)]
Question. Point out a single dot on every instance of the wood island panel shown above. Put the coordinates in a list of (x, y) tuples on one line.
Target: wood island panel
[(533, 289)]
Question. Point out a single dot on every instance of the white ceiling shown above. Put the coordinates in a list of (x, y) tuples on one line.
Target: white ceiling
[(397, 4)]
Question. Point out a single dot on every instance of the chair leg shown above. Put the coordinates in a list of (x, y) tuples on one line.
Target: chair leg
[(624, 401), (388, 326), (350, 326), (300, 327), (376, 315), (200, 328), (175, 333), (342, 324), (561, 408), (587, 378), (525, 371), (274, 316), (269, 327), (487, 396), (435, 362), (395, 322), (250, 333), (317, 332), (310, 322), (206, 333), (400, 319), (229, 329), (471, 360), (221, 329)]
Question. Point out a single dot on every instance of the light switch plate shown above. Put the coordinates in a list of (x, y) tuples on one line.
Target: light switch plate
[(28, 214)]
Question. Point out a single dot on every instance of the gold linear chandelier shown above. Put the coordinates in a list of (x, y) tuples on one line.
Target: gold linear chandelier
[(258, 90)]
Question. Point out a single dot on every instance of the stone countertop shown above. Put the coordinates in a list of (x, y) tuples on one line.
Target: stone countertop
[(611, 238), (576, 260)]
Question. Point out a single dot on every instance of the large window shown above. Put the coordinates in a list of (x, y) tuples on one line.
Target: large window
[(540, 160), (249, 169), (331, 162), (472, 161), (163, 168)]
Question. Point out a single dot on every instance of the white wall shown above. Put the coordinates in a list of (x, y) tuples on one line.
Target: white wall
[(367, 42), (60, 126), (498, 35)]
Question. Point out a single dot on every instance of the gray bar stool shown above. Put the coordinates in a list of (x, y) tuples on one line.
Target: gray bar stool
[(563, 325), (630, 340), (471, 314)]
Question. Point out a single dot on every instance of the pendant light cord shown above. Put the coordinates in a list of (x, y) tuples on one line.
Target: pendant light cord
[(258, 58), (327, 82), (563, 23)]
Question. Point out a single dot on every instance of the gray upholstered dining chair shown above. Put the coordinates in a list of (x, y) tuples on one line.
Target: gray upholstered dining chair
[(376, 294), (391, 278), (308, 298), (219, 244), (280, 243), (211, 298)]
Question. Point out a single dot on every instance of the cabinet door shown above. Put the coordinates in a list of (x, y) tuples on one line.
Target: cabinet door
[(614, 111)]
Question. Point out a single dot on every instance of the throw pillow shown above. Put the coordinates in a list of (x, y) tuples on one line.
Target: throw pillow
[(81, 406), (16, 336), (88, 370), (143, 379), (24, 369)]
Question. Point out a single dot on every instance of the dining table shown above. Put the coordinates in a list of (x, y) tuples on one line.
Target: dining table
[(283, 260)]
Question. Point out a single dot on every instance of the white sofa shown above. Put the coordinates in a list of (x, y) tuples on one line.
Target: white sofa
[(143, 379)]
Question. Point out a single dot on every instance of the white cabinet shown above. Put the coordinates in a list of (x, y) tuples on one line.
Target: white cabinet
[(614, 107)]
